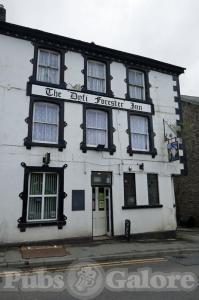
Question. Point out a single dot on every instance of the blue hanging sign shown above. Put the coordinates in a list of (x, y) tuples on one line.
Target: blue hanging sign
[(173, 150)]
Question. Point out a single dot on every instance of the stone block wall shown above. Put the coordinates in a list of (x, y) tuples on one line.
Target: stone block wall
[(187, 187)]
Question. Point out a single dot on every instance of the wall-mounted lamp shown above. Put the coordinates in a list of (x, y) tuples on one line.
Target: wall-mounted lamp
[(46, 159), (141, 166), (130, 168), (100, 147)]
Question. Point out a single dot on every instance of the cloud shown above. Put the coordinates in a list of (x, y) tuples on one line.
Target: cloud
[(163, 30)]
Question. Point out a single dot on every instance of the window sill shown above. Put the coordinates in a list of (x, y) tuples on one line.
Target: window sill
[(153, 152), (48, 84), (29, 144), (23, 226), (138, 100), (111, 149), (107, 94), (142, 206)]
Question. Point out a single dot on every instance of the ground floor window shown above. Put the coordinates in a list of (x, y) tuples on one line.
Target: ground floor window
[(43, 197), (153, 189), (129, 190)]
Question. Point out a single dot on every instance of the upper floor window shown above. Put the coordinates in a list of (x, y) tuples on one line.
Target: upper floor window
[(96, 128), (139, 133), (96, 76), (45, 122), (136, 85), (48, 67)]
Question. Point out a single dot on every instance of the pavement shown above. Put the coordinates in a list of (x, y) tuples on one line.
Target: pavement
[(186, 242)]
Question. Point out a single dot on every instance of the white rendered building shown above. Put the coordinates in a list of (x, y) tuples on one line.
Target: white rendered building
[(82, 144)]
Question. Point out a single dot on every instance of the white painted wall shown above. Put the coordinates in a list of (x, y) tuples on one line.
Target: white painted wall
[(15, 69), (118, 85), (73, 75)]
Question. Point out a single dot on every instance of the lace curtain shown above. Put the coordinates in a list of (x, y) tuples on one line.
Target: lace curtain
[(139, 133), (96, 128), (45, 122), (48, 67), (96, 77), (136, 84)]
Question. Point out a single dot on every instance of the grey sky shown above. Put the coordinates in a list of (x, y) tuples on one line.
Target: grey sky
[(166, 30)]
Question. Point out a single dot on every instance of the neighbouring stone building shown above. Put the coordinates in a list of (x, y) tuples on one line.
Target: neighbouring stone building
[(82, 138), (187, 187)]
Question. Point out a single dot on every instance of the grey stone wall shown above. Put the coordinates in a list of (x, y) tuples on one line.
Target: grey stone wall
[(187, 187)]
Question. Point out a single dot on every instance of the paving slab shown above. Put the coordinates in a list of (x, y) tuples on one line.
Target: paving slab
[(12, 255)]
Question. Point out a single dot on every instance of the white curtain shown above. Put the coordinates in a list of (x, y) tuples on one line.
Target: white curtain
[(42, 74), (54, 60), (135, 77), (136, 92), (96, 77), (40, 112), (43, 58), (139, 133), (51, 133), (48, 67), (45, 122), (96, 127), (136, 87)]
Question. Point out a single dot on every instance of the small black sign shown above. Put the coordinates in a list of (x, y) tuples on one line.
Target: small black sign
[(78, 200)]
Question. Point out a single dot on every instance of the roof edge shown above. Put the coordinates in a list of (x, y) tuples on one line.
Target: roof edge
[(31, 34)]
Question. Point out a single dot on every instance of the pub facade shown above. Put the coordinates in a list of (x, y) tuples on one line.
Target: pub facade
[(83, 139)]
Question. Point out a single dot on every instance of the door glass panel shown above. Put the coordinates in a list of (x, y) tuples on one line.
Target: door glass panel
[(101, 197), (101, 178)]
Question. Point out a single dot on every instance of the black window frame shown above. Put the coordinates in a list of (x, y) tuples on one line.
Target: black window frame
[(111, 147), (137, 205), (33, 78), (151, 203), (28, 142), (108, 79), (146, 84), (152, 150), (126, 204), (61, 218)]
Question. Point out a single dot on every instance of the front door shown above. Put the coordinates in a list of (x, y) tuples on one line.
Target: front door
[(101, 210)]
